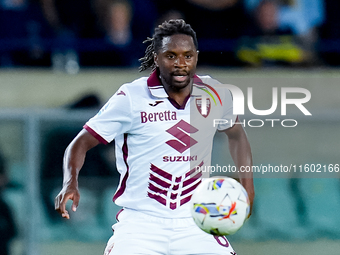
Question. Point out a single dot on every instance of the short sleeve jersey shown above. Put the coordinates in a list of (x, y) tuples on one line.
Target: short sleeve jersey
[(160, 145)]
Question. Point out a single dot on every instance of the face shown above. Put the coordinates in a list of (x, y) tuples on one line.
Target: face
[(267, 16), (176, 60)]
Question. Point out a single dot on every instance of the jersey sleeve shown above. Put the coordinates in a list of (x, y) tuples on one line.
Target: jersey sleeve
[(228, 117), (114, 118)]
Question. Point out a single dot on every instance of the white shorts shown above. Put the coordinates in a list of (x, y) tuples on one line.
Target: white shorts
[(139, 233)]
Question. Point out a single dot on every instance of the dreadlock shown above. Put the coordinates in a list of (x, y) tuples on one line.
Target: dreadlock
[(167, 28)]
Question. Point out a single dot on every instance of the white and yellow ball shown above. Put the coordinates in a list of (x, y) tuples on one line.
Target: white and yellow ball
[(220, 206)]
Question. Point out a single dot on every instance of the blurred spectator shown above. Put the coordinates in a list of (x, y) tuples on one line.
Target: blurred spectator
[(118, 25), (14, 13), (21, 31), (267, 43), (114, 18), (170, 14), (110, 32), (217, 23), (69, 34), (330, 33), (167, 10), (301, 17), (69, 21), (304, 17), (123, 25), (331, 26), (74, 17), (7, 226), (215, 19)]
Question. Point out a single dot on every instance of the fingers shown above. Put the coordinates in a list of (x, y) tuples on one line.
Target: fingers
[(75, 202), (251, 206), (62, 208), (250, 211), (251, 196), (65, 215), (60, 205), (61, 200)]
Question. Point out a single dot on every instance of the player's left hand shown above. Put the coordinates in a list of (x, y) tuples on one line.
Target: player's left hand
[(251, 196), (248, 185)]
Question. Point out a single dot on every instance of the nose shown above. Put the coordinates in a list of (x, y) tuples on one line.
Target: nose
[(180, 62)]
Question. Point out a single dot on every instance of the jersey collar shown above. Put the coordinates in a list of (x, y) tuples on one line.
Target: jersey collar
[(157, 90), (155, 86)]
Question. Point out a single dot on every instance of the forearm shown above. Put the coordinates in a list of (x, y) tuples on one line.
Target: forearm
[(73, 162), (74, 157), (240, 152)]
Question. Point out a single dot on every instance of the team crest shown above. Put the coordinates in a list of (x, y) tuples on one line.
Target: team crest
[(203, 105)]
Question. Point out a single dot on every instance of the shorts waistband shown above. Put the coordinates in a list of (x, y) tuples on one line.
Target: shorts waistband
[(130, 214)]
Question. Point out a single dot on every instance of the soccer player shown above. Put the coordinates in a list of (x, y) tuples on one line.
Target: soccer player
[(163, 131)]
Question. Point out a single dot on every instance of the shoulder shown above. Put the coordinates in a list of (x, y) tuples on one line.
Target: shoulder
[(138, 84), (223, 92), (135, 88), (208, 80), (215, 85)]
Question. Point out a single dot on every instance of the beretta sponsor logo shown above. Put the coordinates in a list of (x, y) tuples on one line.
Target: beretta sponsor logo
[(157, 116)]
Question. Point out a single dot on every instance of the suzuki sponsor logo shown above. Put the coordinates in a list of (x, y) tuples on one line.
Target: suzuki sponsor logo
[(179, 158), (182, 131)]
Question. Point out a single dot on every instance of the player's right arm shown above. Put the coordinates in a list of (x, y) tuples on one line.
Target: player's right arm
[(74, 158)]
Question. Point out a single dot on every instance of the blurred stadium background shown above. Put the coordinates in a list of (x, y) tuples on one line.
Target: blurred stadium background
[(60, 61)]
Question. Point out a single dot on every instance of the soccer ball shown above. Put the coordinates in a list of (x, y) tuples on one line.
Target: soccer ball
[(220, 206)]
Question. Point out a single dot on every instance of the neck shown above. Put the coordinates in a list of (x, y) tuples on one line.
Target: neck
[(179, 98), (178, 94)]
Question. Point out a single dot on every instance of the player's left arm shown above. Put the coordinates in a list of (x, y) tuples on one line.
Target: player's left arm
[(240, 152)]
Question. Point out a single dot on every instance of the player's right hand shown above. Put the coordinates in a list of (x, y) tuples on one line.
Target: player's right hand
[(67, 193)]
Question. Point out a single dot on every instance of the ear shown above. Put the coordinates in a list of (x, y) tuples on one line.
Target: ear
[(155, 58)]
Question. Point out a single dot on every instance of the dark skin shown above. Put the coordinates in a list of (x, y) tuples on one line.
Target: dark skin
[(240, 152), (74, 159), (176, 60)]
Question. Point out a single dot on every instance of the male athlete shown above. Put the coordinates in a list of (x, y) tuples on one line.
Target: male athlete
[(163, 129)]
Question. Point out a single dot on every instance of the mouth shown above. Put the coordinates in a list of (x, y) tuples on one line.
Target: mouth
[(180, 77)]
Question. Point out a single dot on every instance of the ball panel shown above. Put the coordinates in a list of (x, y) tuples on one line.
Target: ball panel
[(220, 206)]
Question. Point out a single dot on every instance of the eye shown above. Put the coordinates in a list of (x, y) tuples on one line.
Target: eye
[(170, 56), (188, 56)]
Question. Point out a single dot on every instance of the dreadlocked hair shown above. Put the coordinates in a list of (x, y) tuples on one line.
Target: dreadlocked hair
[(167, 28)]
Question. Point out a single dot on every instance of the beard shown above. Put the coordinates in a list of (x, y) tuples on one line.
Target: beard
[(176, 82)]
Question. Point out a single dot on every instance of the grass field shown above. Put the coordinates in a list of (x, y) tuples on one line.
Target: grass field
[(31, 88), (319, 247)]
